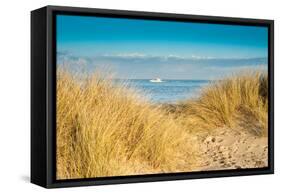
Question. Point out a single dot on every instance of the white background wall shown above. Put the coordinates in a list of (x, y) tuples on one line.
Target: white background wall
[(15, 94)]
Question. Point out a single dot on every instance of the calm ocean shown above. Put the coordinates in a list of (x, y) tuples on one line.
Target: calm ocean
[(168, 91)]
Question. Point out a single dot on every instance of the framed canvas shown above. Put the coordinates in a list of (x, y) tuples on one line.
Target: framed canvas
[(126, 96)]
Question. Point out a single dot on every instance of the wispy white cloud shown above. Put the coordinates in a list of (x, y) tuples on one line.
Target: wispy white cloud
[(138, 65)]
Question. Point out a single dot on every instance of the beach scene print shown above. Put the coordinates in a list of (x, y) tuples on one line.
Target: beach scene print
[(137, 97)]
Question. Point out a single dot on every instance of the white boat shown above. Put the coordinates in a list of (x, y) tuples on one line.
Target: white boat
[(156, 80)]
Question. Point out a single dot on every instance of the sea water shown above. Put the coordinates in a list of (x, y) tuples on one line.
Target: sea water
[(168, 91)]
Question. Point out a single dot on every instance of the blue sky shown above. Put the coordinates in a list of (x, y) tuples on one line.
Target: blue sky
[(148, 48)]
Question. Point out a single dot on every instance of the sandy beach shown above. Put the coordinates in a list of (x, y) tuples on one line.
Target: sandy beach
[(232, 149)]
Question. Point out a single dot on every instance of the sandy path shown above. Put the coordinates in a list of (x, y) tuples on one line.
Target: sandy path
[(230, 149)]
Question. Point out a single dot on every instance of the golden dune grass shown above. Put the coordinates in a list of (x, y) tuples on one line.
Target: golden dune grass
[(239, 101), (108, 130), (104, 129)]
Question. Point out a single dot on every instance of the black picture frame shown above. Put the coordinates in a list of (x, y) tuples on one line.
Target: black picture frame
[(43, 96)]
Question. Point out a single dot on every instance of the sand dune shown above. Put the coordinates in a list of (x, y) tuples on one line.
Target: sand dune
[(232, 149), (109, 130)]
